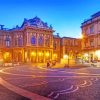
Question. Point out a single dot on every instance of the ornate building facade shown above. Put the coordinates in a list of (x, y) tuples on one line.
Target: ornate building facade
[(33, 42), (91, 38)]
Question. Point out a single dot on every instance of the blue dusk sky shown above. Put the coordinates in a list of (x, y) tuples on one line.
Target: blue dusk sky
[(65, 16)]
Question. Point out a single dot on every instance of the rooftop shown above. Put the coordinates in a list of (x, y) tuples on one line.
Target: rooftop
[(92, 17), (36, 22)]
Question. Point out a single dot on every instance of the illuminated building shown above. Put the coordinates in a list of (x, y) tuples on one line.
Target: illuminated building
[(34, 42), (56, 47), (70, 49), (91, 38)]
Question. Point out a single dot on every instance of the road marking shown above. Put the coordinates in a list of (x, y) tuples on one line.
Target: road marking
[(74, 90), (60, 91), (95, 79), (65, 89), (88, 74), (15, 74), (89, 83), (49, 95), (57, 95), (84, 83), (71, 91), (32, 75), (21, 91)]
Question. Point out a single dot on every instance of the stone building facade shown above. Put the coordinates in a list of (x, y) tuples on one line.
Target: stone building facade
[(70, 49), (91, 38), (32, 42)]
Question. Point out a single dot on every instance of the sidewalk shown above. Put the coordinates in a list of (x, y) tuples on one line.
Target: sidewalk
[(58, 65)]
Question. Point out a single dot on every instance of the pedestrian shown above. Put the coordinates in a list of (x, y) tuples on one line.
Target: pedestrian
[(48, 64)]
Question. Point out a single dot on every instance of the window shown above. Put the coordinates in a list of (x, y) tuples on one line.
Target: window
[(40, 41), (7, 41), (86, 30), (91, 29), (47, 41), (75, 42), (33, 40), (91, 43), (15, 41), (20, 41), (1, 41), (98, 40), (55, 45)]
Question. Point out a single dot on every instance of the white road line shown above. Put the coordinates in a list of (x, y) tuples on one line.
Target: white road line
[(32, 75), (94, 79), (74, 90), (19, 78), (60, 91), (84, 83), (15, 74), (88, 74), (89, 83), (70, 72), (55, 97), (65, 89), (49, 95)]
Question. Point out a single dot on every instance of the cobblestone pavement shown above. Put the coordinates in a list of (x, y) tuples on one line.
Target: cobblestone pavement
[(40, 83)]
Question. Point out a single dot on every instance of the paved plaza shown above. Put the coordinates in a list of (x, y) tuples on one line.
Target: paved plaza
[(30, 82)]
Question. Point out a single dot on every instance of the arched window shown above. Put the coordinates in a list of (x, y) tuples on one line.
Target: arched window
[(47, 41), (55, 45), (40, 41), (20, 41), (7, 41), (33, 40)]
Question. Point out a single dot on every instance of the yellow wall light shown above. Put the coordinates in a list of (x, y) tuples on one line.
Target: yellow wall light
[(47, 54), (39, 53), (33, 54), (6, 55), (65, 56)]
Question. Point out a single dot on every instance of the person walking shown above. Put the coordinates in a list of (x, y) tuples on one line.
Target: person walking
[(48, 64)]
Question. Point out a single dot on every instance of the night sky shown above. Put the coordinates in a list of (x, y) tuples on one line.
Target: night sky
[(65, 16)]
